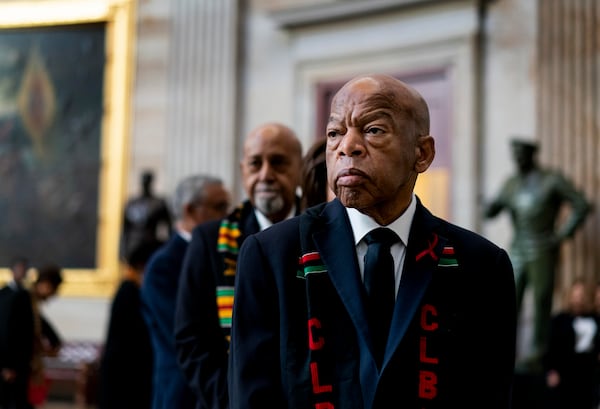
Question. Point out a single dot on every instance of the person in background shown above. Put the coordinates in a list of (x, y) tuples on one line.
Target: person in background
[(125, 372), (534, 198), (315, 189), (46, 339), (197, 199), (571, 363), (270, 169), (16, 339), (597, 374), (19, 269), (307, 333), (146, 220)]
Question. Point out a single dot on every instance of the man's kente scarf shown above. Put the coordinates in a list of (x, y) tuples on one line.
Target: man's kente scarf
[(320, 301), (228, 245), (318, 291)]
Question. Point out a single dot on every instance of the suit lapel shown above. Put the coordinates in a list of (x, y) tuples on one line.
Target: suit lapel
[(422, 255), (178, 246), (335, 242)]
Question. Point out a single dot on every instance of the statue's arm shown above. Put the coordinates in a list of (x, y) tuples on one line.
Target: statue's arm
[(493, 207), (580, 207)]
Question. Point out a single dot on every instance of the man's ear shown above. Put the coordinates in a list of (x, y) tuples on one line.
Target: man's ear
[(188, 209), (425, 149)]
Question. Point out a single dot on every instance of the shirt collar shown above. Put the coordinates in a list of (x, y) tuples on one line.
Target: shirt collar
[(363, 224), (264, 222), (186, 235)]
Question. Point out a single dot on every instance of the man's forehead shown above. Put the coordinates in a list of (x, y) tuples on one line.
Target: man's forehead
[(270, 146), (359, 99), (268, 151), (365, 110)]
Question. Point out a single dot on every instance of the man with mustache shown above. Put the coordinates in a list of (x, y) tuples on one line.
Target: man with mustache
[(270, 170), (307, 333)]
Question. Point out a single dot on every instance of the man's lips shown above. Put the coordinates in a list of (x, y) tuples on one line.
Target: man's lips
[(351, 177)]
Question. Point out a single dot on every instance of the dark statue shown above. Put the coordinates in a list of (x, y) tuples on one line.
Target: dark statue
[(147, 219), (534, 197)]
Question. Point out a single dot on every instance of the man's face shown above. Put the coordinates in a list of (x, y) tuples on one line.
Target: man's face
[(19, 271), (45, 290), (523, 156), (271, 171), (215, 205), (373, 154)]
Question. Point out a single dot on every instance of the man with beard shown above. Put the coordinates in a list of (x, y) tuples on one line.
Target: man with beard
[(271, 168)]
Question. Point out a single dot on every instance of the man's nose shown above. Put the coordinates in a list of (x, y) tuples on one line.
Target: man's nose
[(267, 171), (352, 144)]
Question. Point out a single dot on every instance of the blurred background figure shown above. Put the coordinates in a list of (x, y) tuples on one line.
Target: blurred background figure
[(571, 363), (16, 339), (46, 339), (197, 199), (146, 218), (314, 185), (597, 374), (125, 372), (534, 198), (19, 268)]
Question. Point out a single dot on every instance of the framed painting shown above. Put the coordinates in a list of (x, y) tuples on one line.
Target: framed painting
[(65, 78)]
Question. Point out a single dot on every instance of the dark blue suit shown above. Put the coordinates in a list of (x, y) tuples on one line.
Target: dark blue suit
[(159, 292), (300, 335)]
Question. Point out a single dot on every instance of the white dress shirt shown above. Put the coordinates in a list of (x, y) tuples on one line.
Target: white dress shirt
[(264, 222), (363, 224)]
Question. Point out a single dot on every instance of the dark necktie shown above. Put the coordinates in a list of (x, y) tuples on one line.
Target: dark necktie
[(380, 286)]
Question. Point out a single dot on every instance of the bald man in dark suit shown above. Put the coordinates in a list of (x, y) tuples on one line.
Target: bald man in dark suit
[(304, 331)]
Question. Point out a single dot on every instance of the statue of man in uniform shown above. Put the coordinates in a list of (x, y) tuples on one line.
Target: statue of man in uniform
[(534, 196)]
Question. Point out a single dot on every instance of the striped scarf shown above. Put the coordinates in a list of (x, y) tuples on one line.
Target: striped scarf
[(228, 247)]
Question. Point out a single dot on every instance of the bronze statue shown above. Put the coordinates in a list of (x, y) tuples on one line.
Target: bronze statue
[(147, 219), (534, 196)]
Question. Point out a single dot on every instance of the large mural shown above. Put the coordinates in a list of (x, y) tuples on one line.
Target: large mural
[(51, 110)]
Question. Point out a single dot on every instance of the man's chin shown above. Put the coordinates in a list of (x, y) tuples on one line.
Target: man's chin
[(269, 204)]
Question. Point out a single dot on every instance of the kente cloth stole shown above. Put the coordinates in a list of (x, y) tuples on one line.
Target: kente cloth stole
[(228, 247), (319, 293), (319, 290)]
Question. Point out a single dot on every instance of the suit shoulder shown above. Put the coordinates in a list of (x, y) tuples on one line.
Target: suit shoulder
[(282, 230), (458, 233), (206, 228)]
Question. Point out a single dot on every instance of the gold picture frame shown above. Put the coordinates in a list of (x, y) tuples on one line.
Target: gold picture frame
[(118, 20)]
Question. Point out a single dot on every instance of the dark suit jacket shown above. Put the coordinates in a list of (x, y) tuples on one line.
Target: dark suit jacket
[(158, 292), (16, 343), (202, 342), (300, 335)]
